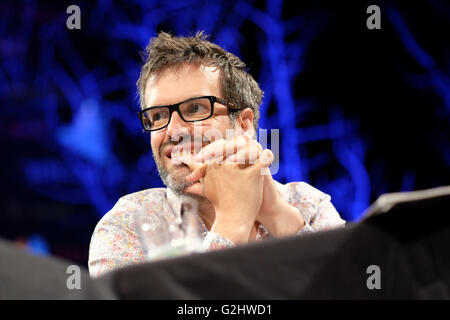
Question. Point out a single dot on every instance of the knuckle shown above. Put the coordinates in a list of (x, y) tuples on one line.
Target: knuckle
[(260, 148), (241, 140)]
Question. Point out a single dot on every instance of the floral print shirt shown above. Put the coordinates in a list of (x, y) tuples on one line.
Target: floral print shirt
[(115, 242)]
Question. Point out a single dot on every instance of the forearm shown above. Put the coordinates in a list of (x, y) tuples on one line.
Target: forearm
[(282, 220)]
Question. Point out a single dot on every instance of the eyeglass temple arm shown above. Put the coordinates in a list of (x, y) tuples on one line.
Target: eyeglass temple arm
[(227, 103)]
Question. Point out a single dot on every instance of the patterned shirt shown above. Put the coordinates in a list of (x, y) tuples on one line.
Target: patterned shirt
[(115, 242)]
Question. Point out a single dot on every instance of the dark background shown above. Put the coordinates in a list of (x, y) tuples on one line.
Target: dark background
[(360, 112)]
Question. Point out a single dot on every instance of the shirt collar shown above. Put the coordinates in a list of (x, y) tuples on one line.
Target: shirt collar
[(174, 202)]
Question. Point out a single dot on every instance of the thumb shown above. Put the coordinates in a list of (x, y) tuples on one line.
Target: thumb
[(197, 174), (266, 158)]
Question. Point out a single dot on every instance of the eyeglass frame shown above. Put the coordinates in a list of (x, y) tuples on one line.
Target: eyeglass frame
[(176, 107)]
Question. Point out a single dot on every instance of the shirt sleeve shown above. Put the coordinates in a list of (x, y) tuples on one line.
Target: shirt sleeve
[(115, 242), (214, 241), (315, 207), (306, 229)]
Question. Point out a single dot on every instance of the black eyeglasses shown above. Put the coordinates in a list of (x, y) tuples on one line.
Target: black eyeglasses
[(191, 110)]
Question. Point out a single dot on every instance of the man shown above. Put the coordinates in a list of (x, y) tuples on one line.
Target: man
[(190, 87)]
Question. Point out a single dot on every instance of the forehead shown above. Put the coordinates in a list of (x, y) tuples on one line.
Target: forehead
[(182, 82)]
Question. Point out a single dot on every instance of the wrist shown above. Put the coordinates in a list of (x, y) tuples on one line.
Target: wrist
[(283, 220), (232, 227), (270, 216)]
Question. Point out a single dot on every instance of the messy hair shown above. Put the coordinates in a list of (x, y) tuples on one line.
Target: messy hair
[(237, 85)]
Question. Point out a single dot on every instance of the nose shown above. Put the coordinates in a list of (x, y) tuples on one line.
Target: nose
[(177, 127)]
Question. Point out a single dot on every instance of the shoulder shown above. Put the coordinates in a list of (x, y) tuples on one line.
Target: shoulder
[(145, 196), (123, 211), (114, 241), (314, 205), (301, 191)]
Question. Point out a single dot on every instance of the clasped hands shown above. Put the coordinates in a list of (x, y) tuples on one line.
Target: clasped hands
[(235, 177)]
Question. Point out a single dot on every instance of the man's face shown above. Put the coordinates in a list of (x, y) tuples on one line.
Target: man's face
[(173, 86)]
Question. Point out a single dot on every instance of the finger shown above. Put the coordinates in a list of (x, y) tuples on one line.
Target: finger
[(201, 169), (266, 158), (245, 156), (221, 148), (210, 150), (184, 149), (187, 159), (197, 174), (249, 134), (236, 144)]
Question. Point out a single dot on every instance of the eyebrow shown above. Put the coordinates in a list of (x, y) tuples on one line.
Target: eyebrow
[(168, 105)]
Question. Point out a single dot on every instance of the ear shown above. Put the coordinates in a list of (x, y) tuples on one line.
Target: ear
[(245, 121)]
